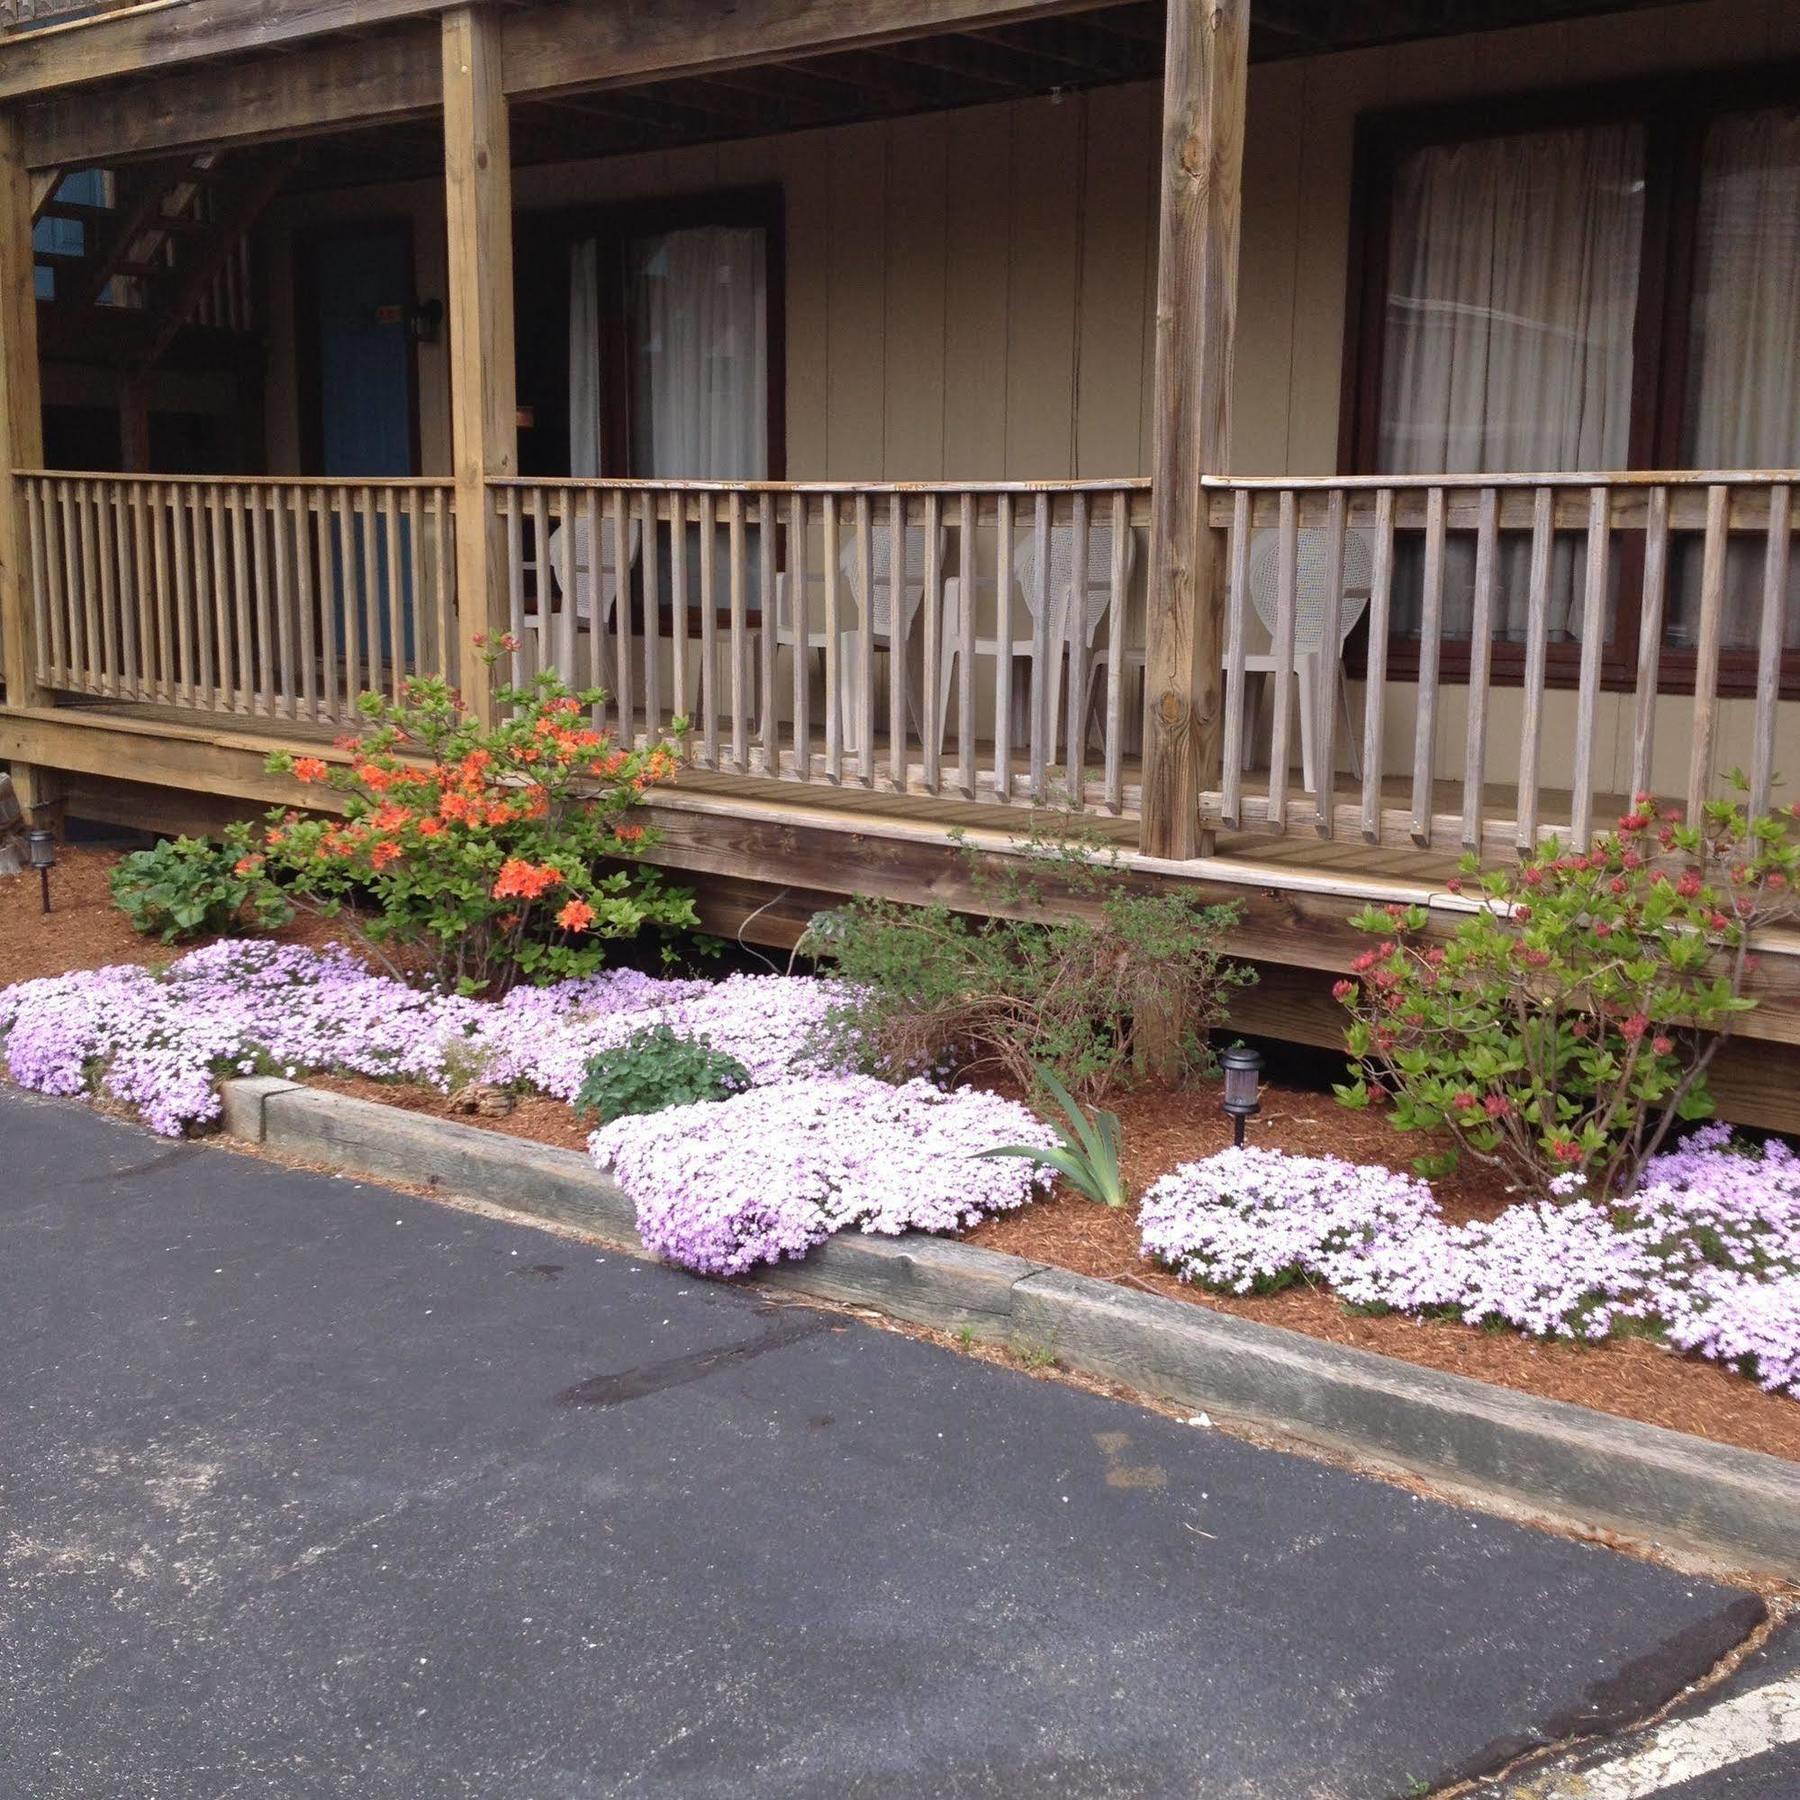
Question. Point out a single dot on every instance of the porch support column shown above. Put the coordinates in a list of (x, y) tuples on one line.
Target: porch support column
[(21, 442), (483, 386), (1204, 77)]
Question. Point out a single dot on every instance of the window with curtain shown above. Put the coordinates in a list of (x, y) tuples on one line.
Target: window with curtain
[(1601, 281), (1512, 288), (679, 353)]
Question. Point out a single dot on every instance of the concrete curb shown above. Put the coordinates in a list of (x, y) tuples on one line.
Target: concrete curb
[(1563, 1462)]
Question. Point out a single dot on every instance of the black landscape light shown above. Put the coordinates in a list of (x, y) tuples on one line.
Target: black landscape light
[(1243, 1082), (41, 845)]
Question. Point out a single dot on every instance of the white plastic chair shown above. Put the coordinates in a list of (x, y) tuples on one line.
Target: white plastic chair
[(582, 574), (1058, 593), (1311, 569), (796, 630)]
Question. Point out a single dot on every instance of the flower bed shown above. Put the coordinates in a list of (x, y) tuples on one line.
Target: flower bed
[(1706, 1254), (720, 1185)]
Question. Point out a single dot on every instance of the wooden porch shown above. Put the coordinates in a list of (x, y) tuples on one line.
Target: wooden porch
[(1297, 690)]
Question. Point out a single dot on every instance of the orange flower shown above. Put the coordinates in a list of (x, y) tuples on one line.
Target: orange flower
[(309, 768), (247, 865), (456, 807), (628, 834), (385, 853), (523, 880), (576, 915), (391, 817), (430, 828)]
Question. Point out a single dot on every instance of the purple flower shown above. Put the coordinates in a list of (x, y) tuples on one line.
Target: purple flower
[(723, 1185)]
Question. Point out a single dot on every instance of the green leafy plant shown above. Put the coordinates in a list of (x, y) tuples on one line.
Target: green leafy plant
[(184, 887), (480, 855), (655, 1068), (1088, 1156), (1570, 1022), (1070, 970)]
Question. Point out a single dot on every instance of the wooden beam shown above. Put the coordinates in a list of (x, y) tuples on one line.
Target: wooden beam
[(21, 442), (333, 86), (570, 44), (1205, 72), (164, 37), (483, 381)]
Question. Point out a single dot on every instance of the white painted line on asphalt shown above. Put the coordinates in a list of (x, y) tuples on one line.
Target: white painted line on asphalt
[(1682, 1749)]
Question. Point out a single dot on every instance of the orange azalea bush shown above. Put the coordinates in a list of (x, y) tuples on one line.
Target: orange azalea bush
[(481, 856)]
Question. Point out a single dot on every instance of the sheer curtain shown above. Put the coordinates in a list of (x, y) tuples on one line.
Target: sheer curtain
[(584, 359), (700, 346), (1743, 401), (1512, 294)]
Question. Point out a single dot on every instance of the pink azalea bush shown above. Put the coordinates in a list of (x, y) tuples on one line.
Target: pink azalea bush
[(1705, 1254), (723, 1185)]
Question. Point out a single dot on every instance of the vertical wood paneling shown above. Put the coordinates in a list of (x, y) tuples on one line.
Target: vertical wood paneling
[(855, 299), (978, 264), (1116, 250), (1040, 339), (913, 301)]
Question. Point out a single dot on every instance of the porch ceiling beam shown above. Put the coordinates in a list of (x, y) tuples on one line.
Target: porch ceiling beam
[(572, 44), (163, 37), (329, 87)]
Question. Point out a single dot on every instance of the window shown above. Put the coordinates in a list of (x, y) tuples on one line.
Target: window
[(673, 365), (1590, 282)]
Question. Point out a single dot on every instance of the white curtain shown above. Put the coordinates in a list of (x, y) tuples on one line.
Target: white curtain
[(700, 330), (584, 359), (1512, 293), (1743, 402)]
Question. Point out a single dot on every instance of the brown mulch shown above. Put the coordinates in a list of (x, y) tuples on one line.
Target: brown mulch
[(83, 929), (1630, 1377)]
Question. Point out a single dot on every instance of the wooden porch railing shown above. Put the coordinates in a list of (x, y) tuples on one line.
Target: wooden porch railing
[(237, 594), (1603, 551), (770, 616)]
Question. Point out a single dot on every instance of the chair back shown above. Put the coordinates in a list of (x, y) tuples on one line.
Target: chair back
[(1096, 583), (582, 574), (881, 562), (1311, 572)]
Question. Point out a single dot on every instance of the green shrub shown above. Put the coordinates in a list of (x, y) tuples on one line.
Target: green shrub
[(655, 1068), (187, 887), (1567, 1025), (1070, 971)]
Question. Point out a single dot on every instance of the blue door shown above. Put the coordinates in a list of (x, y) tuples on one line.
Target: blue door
[(361, 287)]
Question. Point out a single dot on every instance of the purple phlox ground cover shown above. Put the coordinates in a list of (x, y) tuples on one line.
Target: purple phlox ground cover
[(723, 1185), (808, 1150), (1706, 1254)]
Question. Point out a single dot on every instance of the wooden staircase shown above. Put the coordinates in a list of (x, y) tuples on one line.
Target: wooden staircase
[(138, 253)]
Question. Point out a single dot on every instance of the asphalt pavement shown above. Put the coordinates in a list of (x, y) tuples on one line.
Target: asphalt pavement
[(310, 1488)]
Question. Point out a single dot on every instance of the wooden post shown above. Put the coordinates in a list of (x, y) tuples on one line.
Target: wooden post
[(483, 398), (21, 445), (1204, 77), (134, 423)]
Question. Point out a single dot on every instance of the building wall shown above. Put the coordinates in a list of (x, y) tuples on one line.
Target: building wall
[(971, 293)]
